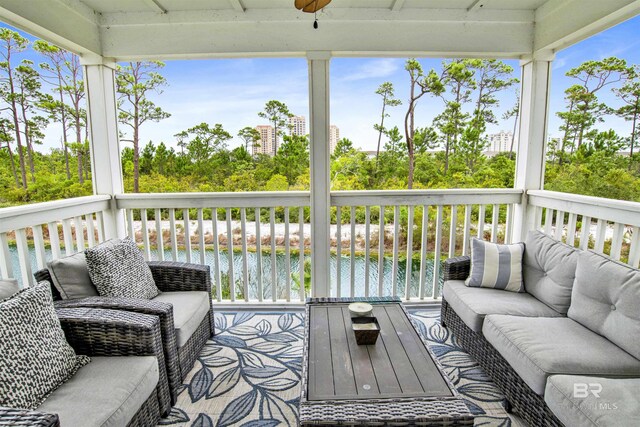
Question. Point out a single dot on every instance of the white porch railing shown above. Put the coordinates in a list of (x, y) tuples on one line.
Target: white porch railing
[(257, 243), (451, 218), (213, 222), (607, 226), (77, 220)]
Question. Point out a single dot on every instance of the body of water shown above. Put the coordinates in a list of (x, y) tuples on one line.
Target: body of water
[(282, 273)]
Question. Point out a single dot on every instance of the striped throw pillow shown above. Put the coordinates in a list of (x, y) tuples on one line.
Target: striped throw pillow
[(496, 266)]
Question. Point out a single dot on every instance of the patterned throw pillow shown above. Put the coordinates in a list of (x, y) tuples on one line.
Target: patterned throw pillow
[(118, 269), (35, 357), (496, 266)]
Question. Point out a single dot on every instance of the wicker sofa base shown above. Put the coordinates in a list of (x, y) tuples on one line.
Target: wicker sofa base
[(529, 405), (190, 351), (148, 414)]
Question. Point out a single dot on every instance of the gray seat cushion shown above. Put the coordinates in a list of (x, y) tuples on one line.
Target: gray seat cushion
[(8, 287), (537, 347), (549, 268), (106, 392), (71, 278), (189, 309), (473, 304), (616, 406), (605, 299)]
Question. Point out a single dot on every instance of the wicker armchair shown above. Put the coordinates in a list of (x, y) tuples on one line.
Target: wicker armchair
[(529, 405), (96, 332), (169, 277)]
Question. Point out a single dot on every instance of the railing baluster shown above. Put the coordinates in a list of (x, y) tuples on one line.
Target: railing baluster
[(367, 248), (6, 267), (634, 250), (436, 257), (408, 268), (467, 229), (245, 261), (100, 226), (232, 280), (352, 254), (77, 224), (548, 221), (259, 257), (145, 235), (571, 229), (287, 255), (38, 246), (453, 231), (68, 237), (482, 210), (559, 225), (132, 234), (187, 233), (274, 267), (91, 230), (159, 236), (174, 234), (23, 258), (537, 219), (616, 242), (381, 234), (216, 252), (495, 217), (301, 255), (508, 225), (423, 251), (585, 232), (338, 251), (201, 245), (601, 231), (54, 240), (396, 244)]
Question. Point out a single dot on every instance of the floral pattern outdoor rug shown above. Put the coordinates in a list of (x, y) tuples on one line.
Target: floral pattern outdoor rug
[(248, 374)]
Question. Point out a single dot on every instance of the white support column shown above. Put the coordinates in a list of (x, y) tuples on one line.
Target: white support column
[(320, 184), (106, 167), (532, 135)]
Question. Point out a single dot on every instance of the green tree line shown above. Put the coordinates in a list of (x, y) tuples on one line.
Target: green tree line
[(448, 152)]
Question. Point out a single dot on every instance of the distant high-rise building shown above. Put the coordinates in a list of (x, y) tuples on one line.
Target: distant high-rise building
[(334, 136), (499, 142), (265, 144), (297, 125)]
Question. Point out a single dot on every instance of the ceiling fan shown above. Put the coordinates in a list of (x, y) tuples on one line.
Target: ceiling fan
[(311, 6)]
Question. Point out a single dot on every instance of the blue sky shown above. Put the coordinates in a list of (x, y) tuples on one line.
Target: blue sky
[(233, 91)]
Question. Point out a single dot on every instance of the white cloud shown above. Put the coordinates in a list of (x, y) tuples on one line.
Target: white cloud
[(374, 69)]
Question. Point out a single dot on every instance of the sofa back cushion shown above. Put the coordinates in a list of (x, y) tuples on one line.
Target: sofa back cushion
[(605, 299), (70, 276), (549, 269), (8, 287)]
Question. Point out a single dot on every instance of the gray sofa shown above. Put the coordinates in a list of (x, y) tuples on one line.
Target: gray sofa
[(576, 326), (124, 384)]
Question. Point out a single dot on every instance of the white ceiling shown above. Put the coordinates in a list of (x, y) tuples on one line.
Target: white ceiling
[(164, 29)]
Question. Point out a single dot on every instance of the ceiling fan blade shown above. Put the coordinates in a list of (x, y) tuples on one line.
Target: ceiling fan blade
[(311, 6)]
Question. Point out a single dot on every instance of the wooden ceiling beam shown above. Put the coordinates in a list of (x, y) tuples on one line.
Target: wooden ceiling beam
[(553, 31)]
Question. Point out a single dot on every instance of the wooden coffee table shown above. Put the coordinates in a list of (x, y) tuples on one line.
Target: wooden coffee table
[(396, 381)]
